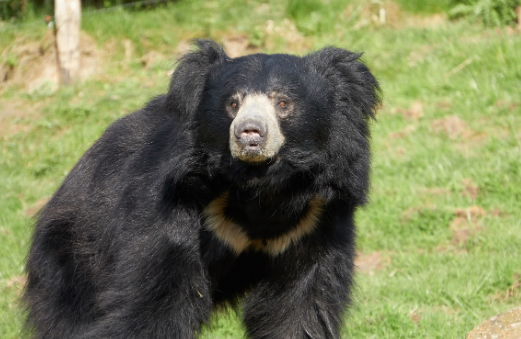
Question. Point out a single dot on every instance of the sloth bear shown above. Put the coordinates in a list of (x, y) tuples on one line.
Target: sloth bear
[(236, 187)]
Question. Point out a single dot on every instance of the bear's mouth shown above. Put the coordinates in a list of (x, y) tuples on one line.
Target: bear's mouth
[(253, 154)]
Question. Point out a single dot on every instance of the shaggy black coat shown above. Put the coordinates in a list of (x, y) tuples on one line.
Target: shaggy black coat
[(122, 251)]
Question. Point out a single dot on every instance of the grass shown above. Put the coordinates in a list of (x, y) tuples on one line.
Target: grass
[(443, 223)]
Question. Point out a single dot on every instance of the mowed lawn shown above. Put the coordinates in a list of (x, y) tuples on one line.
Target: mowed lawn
[(439, 243)]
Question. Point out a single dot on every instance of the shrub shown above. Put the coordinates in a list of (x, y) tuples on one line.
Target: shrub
[(490, 12)]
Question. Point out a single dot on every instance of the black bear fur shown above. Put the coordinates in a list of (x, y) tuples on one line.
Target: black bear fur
[(122, 251)]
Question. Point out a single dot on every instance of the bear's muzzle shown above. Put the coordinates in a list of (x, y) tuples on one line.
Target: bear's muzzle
[(255, 134)]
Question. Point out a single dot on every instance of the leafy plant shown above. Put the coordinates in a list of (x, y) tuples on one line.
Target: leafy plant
[(490, 12), (314, 16)]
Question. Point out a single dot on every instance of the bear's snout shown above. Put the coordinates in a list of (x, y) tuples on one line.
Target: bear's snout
[(255, 134), (251, 133)]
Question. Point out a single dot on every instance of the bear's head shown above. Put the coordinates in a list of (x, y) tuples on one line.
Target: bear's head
[(262, 120)]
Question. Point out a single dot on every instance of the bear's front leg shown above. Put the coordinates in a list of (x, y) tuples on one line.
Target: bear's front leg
[(159, 288), (305, 293)]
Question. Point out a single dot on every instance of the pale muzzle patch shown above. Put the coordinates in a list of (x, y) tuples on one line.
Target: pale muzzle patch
[(255, 134)]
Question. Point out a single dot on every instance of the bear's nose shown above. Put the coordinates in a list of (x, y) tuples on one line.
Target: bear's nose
[(251, 132)]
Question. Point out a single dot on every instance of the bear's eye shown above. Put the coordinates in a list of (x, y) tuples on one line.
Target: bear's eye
[(233, 104), (282, 104)]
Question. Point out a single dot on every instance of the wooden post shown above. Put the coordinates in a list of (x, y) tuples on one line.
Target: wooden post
[(67, 16)]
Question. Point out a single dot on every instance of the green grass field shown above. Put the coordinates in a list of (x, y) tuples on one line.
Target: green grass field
[(440, 241)]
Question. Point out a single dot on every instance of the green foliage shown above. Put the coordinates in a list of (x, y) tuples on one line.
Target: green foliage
[(426, 6), (20, 9), (490, 12), (16, 9), (313, 16), (10, 9)]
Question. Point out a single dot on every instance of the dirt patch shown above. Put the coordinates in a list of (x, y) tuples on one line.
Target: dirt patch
[(444, 105), (513, 292), (470, 189), (32, 64), (467, 223), (151, 58), (470, 213), (415, 315), (390, 14), (236, 45), (456, 128), (435, 191), (413, 113), (400, 151), (16, 283), (419, 55), (371, 262), (286, 31), (490, 34), (412, 212), (183, 47), (460, 236), (376, 14), (497, 212), (11, 114), (31, 211), (511, 106), (453, 126), (429, 21), (429, 196), (403, 133), (16, 116), (446, 310), (268, 36)]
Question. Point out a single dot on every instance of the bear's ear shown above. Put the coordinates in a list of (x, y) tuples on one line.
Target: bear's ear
[(189, 78), (352, 82)]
